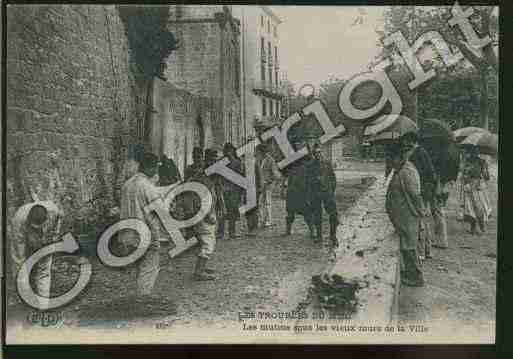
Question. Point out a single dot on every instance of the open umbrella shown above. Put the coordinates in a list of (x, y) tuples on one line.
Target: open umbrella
[(461, 133), (399, 127), (486, 142), (432, 128)]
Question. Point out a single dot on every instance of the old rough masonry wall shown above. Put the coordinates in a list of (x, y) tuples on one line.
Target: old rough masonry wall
[(206, 63), (71, 109)]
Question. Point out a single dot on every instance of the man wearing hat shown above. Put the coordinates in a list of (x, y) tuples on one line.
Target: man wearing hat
[(294, 187), (34, 226), (232, 192), (137, 193), (205, 230), (321, 183), (429, 184), (405, 210)]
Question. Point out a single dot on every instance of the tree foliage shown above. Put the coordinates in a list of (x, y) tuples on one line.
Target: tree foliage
[(463, 94), (149, 40)]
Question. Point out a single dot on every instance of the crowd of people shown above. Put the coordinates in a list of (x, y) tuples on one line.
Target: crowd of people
[(307, 186), (415, 192), (418, 191)]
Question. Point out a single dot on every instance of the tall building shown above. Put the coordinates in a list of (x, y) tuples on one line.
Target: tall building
[(207, 63), (261, 91)]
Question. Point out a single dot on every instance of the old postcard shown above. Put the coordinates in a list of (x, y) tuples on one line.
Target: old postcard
[(251, 174)]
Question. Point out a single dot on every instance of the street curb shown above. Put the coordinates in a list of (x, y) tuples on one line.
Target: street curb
[(368, 254)]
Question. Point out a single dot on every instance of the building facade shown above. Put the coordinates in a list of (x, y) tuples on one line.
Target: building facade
[(207, 64), (261, 85)]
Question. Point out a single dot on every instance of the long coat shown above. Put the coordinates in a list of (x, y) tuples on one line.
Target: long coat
[(403, 213), (297, 187)]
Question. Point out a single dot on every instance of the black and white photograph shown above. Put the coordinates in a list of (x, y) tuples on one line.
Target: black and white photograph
[(250, 174)]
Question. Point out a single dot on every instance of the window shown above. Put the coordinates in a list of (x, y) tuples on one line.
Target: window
[(277, 81), (270, 76), (275, 31), (262, 72), (262, 20), (264, 107), (268, 27), (271, 107), (262, 49), (276, 55), (278, 114), (270, 54)]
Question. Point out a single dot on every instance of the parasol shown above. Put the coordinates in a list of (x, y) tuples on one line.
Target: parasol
[(399, 127), (486, 142), (461, 133), (436, 129)]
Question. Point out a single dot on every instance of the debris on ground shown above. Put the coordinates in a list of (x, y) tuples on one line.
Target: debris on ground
[(335, 294)]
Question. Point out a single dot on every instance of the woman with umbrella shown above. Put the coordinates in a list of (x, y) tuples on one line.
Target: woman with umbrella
[(485, 143), (474, 171)]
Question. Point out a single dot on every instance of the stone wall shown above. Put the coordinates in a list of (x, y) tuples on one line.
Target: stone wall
[(207, 62), (71, 109), (181, 121)]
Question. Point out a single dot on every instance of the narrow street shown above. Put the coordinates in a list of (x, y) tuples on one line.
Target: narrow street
[(272, 272)]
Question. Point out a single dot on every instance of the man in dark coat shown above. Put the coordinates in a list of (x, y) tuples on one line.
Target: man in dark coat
[(295, 186), (321, 183), (232, 192)]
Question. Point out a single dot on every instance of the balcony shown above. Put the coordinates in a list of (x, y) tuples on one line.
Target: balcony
[(264, 88)]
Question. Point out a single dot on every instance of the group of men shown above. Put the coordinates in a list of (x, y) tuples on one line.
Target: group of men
[(309, 186), (311, 182)]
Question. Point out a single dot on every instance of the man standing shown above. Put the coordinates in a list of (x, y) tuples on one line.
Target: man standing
[(405, 209), (269, 174), (205, 230), (321, 184), (34, 226), (137, 193), (232, 193), (294, 190), (429, 187)]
